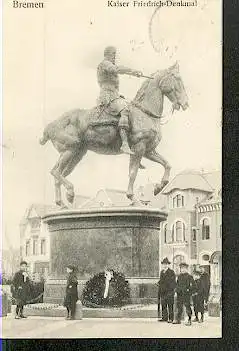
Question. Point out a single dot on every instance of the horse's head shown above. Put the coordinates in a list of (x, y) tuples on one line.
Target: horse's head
[(171, 85)]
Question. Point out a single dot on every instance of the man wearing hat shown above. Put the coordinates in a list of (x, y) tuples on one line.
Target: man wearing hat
[(21, 289), (71, 295), (108, 80), (184, 288), (167, 284)]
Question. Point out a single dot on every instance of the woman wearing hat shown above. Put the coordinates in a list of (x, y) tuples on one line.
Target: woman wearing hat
[(71, 296)]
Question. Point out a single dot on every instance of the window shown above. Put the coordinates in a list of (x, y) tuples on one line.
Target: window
[(178, 232), (43, 247), (165, 233), (194, 235), (205, 258), (178, 201), (35, 249), (27, 247), (205, 229), (35, 223)]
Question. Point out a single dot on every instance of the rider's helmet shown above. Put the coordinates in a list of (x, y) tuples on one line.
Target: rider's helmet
[(110, 53)]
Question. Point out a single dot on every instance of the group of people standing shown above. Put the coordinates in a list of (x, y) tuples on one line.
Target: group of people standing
[(21, 291), (186, 288)]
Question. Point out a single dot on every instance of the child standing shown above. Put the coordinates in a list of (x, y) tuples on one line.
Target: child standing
[(198, 297), (71, 296), (184, 290)]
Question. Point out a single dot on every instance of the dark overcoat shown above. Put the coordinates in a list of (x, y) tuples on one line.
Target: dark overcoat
[(198, 295), (71, 295), (205, 285), (185, 285), (21, 288), (167, 283)]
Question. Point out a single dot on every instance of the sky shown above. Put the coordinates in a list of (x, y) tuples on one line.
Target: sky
[(50, 60)]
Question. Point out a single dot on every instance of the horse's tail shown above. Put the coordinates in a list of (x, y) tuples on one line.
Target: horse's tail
[(45, 137)]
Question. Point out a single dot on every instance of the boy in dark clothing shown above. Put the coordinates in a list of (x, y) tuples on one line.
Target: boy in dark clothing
[(198, 297), (206, 284), (184, 289), (71, 296), (21, 289)]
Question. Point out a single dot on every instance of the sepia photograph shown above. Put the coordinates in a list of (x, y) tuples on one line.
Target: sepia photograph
[(111, 165)]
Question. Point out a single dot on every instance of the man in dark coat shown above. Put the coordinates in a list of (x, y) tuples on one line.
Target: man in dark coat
[(184, 288), (206, 284), (21, 289), (167, 284), (198, 296), (71, 295)]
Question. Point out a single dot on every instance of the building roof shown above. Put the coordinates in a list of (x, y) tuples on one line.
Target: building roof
[(193, 179), (108, 198), (80, 200), (215, 197), (40, 209)]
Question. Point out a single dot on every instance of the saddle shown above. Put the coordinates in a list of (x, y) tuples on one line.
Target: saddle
[(103, 115)]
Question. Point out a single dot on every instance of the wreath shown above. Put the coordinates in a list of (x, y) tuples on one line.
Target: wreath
[(106, 289)]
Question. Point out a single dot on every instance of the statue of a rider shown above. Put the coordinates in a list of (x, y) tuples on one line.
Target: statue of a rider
[(108, 80)]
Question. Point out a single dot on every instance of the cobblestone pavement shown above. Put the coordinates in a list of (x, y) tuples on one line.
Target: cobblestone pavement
[(47, 327)]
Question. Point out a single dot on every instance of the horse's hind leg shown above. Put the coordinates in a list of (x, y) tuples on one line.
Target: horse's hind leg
[(154, 156), (58, 199), (79, 154), (65, 158), (69, 167)]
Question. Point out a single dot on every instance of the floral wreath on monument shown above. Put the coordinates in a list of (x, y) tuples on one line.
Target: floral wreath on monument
[(106, 289)]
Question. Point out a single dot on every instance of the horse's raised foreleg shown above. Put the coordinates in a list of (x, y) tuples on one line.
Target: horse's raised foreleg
[(139, 150), (154, 156)]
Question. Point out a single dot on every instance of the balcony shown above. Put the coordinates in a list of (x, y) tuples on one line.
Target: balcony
[(177, 243)]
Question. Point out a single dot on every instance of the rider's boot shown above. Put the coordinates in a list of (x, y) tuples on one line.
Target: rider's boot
[(125, 145), (123, 130)]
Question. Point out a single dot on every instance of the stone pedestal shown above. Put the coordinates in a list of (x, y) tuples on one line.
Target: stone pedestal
[(124, 239)]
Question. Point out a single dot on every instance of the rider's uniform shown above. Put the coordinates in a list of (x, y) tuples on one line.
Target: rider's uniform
[(108, 80)]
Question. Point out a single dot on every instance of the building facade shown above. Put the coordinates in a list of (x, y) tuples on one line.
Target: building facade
[(193, 230), (34, 240)]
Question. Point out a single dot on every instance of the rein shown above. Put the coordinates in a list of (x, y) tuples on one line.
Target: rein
[(141, 108)]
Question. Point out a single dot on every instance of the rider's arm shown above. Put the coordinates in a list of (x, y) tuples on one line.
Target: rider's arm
[(111, 68), (126, 70)]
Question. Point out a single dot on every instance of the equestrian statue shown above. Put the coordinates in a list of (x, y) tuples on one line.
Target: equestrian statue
[(116, 126)]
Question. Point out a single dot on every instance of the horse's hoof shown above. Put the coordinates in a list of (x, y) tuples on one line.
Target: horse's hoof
[(159, 187), (70, 197), (130, 196), (136, 203), (142, 166)]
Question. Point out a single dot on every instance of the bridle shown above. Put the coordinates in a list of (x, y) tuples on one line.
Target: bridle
[(149, 113)]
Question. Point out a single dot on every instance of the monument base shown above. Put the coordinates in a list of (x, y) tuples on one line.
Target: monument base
[(142, 290), (129, 311), (125, 240)]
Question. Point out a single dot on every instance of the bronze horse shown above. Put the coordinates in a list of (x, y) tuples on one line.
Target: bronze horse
[(78, 131)]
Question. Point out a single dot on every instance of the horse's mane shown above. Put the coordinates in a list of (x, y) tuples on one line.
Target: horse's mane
[(141, 92)]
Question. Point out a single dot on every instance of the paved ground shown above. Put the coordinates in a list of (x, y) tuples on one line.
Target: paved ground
[(47, 327)]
